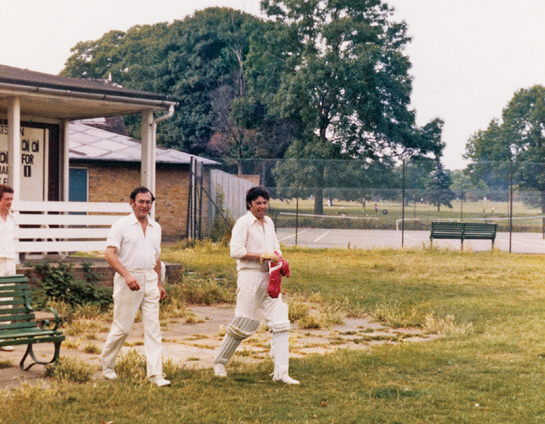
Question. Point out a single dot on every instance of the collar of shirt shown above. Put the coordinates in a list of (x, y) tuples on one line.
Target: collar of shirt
[(134, 220), (252, 218), (9, 215)]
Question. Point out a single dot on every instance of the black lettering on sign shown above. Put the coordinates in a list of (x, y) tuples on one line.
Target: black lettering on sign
[(27, 170), (4, 169), (3, 157), (25, 146), (36, 146), (27, 159), (4, 181), (3, 129)]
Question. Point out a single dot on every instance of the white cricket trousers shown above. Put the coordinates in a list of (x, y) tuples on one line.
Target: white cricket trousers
[(253, 300), (7, 267), (126, 305)]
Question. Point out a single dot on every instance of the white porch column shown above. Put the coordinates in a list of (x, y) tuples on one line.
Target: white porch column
[(147, 164), (14, 146), (65, 149)]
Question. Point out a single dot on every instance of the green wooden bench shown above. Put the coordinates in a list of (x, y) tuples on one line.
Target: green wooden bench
[(18, 325), (463, 231)]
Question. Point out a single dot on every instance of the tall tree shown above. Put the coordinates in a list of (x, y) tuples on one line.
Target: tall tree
[(520, 138), (345, 76), (438, 189), (198, 60)]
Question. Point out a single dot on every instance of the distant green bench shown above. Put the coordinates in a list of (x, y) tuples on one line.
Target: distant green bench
[(18, 325), (463, 231)]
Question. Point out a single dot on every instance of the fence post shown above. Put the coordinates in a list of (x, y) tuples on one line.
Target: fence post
[(296, 214), (403, 207), (510, 204), (189, 227)]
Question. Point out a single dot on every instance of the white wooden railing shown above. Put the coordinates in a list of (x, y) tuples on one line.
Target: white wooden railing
[(65, 226)]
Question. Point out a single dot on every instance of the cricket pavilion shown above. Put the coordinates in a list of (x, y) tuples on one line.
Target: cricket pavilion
[(36, 110)]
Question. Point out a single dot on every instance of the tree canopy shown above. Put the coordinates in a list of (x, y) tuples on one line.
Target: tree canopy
[(515, 145), (319, 79), (345, 75)]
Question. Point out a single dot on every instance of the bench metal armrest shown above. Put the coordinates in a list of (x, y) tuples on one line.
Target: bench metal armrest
[(45, 323)]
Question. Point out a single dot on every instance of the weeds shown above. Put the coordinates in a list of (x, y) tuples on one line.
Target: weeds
[(314, 313), (446, 326), (396, 315), (132, 364), (70, 370), (203, 291), (92, 348), (6, 363)]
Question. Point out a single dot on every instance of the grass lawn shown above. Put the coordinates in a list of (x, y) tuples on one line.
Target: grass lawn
[(487, 368)]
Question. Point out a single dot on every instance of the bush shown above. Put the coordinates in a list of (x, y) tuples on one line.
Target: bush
[(58, 283)]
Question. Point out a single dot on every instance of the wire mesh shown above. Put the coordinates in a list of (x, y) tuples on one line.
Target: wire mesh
[(359, 194)]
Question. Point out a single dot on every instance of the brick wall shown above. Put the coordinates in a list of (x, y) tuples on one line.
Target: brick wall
[(113, 182)]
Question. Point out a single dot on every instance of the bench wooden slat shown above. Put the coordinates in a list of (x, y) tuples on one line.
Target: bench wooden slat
[(14, 279), (6, 287), (16, 308), (29, 333), (32, 340), (16, 317), (13, 291), (11, 304)]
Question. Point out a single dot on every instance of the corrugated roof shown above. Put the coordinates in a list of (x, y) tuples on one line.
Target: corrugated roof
[(89, 143)]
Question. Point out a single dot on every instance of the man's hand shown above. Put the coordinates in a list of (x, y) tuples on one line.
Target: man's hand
[(131, 282), (267, 256), (162, 291)]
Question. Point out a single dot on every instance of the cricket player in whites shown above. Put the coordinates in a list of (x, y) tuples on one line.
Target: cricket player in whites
[(253, 243)]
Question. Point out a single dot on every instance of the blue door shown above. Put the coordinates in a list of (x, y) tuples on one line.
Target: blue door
[(78, 185)]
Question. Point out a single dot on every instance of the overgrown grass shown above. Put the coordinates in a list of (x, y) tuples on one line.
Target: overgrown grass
[(487, 367), (70, 370)]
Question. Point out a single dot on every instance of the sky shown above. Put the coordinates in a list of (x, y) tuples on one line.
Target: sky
[(469, 57)]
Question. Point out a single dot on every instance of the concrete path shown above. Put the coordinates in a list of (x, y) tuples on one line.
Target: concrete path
[(193, 344)]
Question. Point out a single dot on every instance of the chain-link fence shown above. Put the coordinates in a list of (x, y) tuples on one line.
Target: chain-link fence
[(357, 194)]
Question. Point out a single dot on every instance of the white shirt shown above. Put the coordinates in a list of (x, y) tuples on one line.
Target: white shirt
[(7, 237), (134, 250), (249, 236)]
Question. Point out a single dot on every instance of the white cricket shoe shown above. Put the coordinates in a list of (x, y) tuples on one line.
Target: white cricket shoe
[(219, 370), (286, 379), (159, 380), (109, 374)]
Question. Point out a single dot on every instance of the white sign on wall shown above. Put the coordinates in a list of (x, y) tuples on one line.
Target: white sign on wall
[(33, 144)]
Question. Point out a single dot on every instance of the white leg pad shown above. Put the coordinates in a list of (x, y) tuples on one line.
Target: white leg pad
[(281, 322), (280, 344), (241, 328), (281, 358)]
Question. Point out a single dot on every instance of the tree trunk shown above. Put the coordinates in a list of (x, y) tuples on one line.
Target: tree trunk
[(319, 191)]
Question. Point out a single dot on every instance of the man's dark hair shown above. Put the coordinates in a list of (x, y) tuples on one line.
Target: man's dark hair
[(143, 190), (254, 193), (5, 189)]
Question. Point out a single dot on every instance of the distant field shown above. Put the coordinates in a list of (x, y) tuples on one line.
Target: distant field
[(417, 215)]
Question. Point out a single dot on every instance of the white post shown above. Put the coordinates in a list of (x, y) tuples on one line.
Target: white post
[(147, 165), (65, 148), (14, 146)]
